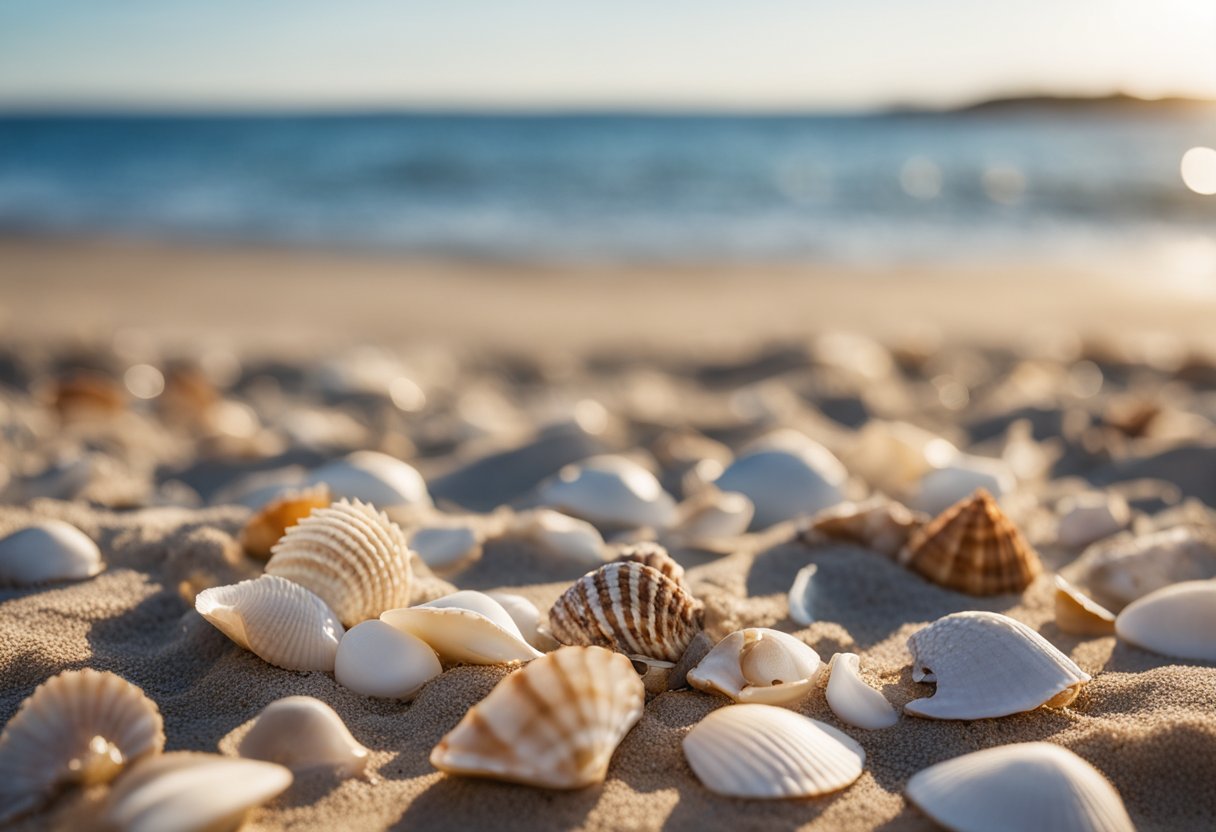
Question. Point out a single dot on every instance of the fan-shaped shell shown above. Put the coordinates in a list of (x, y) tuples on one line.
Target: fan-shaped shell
[(1080, 615), (376, 659), (785, 480), (554, 723), (758, 665), (1012, 788), (561, 535), (1086, 518), (852, 700), (973, 547), (81, 726), (49, 550), (270, 523), (373, 477), (610, 491), (465, 626), (1178, 620), (628, 607), (653, 555), (302, 733), (877, 524), (760, 751), (353, 557), (1118, 571), (279, 621), (989, 665), (963, 475)]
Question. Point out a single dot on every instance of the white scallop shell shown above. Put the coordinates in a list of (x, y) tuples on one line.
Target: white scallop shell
[(1089, 517), (279, 621), (1118, 571), (467, 627), (554, 723), (446, 549), (989, 665), (561, 535), (802, 596), (375, 659), (373, 477), (1178, 621), (527, 619), (353, 557), (303, 733), (1080, 615), (943, 487), (710, 515), (81, 726), (893, 456), (758, 665), (759, 751), (49, 550), (785, 478), (1012, 788), (609, 491), (852, 700)]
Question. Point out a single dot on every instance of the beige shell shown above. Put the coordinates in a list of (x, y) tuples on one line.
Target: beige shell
[(609, 491), (893, 456), (963, 475), (655, 674), (80, 727), (653, 555), (270, 523), (852, 700), (801, 597), (560, 535), (1089, 517), (527, 619), (1177, 620), (376, 659), (303, 733), (1078, 614), (49, 550), (973, 547), (466, 626), (353, 557), (279, 621), (628, 607), (1116, 572), (554, 723), (373, 477), (711, 516), (446, 549), (878, 524), (758, 665)]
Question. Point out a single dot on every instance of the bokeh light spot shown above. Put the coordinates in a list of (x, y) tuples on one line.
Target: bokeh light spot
[(1199, 170)]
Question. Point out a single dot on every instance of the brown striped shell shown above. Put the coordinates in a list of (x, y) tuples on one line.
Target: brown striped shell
[(653, 555), (631, 608), (973, 547)]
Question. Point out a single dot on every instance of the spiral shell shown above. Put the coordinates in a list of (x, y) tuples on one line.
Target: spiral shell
[(266, 527)]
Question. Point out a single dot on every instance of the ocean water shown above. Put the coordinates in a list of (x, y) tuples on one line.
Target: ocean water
[(616, 187)]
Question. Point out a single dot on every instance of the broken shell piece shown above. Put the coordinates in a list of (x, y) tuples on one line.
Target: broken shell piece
[(527, 618), (467, 627), (561, 535), (1087, 518), (1118, 571), (710, 515), (1177, 621), (943, 487), (786, 479), (852, 700), (554, 723), (79, 727), (802, 596), (654, 555), (49, 550), (1079, 615), (1012, 788), (446, 549), (759, 751), (878, 524), (302, 733), (373, 477), (375, 659), (610, 491), (893, 456), (269, 524), (758, 665), (653, 673), (989, 665)]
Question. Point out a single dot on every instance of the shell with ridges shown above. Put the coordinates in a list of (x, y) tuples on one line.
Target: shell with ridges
[(465, 626), (302, 733), (1178, 620), (852, 700), (878, 524), (264, 528), (758, 665), (1080, 615), (49, 550), (654, 555), (610, 491), (376, 659)]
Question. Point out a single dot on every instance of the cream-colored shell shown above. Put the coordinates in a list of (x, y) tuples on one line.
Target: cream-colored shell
[(878, 524), (446, 549), (1089, 517), (49, 550), (801, 596), (785, 479), (277, 620), (554, 723), (962, 476), (709, 516), (852, 700), (304, 733), (1178, 621), (610, 491), (79, 727), (561, 535), (1078, 614), (758, 665), (375, 659), (373, 477), (893, 456), (527, 619), (1122, 569), (467, 626)]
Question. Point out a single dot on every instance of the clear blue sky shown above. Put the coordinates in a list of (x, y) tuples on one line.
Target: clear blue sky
[(552, 53)]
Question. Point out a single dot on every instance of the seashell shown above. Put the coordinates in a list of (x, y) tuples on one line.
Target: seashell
[(758, 665), (279, 621), (49, 550), (609, 491), (465, 626), (760, 751), (561, 535), (372, 477), (653, 673), (88, 395), (973, 547), (446, 549), (943, 487), (554, 723), (628, 607), (785, 479), (988, 665), (1118, 571), (894, 456), (649, 553), (852, 700), (1177, 620), (303, 733), (270, 523), (1011, 788), (353, 557), (710, 515), (1077, 614), (375, 659), (191, 792), (79, 727), (1087, 518), (527, 619), (802, 596), (878, 524)]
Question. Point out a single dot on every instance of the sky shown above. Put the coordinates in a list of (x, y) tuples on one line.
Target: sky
[(553, 54)]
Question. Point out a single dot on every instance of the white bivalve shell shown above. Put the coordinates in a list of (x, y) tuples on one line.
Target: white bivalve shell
[(1177, 621), (527, 619), (852, 700), (1122, 569), (1086, 518), (49, 550), (1013, 788), (373, 477), (893, 456), (609, 491), (561, 535), (960, 478), (375, 659), (304, 733), (706, 518), (760, 751), (989, 665), (446, 549), (279, 621), (466, 626), (554, 723), (758, 665), (784, 477)]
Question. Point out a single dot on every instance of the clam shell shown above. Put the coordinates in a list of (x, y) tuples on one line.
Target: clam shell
[(989, 665), (527, 619), (270, 523), (943, 487), (628, 607), (710, 515), (1087, 518), (785, 480), (609, 491), (79, 727), (49, 550), (1178, 621), (801, 596), (893, 456), (1012, 788), (372, 477), (1118, 571), (353, 557), (973, 547), (758, 665), (467, 627), (446, 549), (279, 621), (852, 700), (1079, 615), (303, 733), (561, 535), (655, 556), (554, 723), (878, 524), (759, 751), (375, 659)]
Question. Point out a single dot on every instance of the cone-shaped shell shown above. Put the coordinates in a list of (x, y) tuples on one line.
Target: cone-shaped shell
[(610, 491), (50, 550), (852, 700), (554, 723), (375, 478), (303, 733), (989, 665), (351, 556), (279, 621), (376, 659), (878, 524), (1178, 621), (1013, 788), (758, 665), (760, 751), (1080, 615), (628, 607), (270, 523), (973, 547), (80, 727), (467, 626), (653, 555)]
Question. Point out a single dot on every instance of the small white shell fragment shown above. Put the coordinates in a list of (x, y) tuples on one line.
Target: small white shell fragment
[(526, 617), (610, 491), (1080, 615), (852, 700), (1013, 788), (303, 733), (759, 751), (943, 487), (802, 596), (561, 535), (1177, 621), (467, 627), (373, 477), (785, 478), (711, 515), (446, 549), (758, 665), (49, 550), (1089, 517), (375, 659)]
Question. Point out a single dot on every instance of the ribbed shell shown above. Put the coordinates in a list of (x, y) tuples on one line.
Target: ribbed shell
[(303, 733), (1178, 621), (761, 751), (81, 726), (279, 621), (653, 555), (554, 723), (628, 607), (266, 527), (758, 665), (353, 557), (973, 547)]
